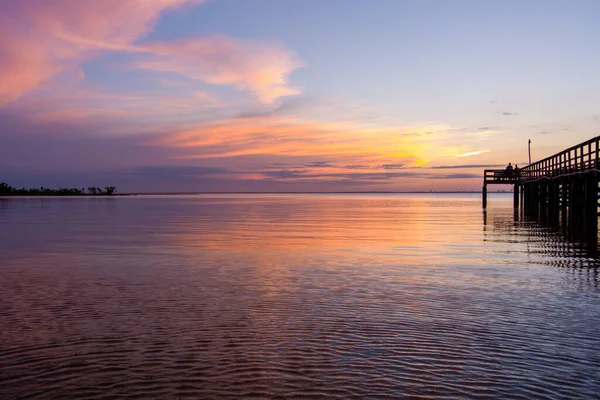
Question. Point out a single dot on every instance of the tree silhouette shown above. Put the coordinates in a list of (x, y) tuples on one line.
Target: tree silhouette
[(7, 190)]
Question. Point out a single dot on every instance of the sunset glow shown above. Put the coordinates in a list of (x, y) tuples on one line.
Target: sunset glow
[(194, 95)]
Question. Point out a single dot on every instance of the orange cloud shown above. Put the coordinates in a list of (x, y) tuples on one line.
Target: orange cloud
[(248, 65), (288, 136), (40, 39)]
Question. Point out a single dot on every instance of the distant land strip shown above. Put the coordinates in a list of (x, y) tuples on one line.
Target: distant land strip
[(7, 190), (312, 192)]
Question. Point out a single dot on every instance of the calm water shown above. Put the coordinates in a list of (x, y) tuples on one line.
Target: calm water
[(314, 296)]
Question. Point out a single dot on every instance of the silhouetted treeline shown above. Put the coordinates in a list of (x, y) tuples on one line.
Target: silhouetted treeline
[(7, 190)]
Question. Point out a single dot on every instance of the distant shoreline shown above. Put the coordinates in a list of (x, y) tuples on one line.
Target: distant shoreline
[(354, 192), (67, 195), (7, 190), (228, 193)]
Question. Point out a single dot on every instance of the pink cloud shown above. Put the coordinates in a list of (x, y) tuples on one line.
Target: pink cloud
[(41, 38), (23, 64), (247, 65)]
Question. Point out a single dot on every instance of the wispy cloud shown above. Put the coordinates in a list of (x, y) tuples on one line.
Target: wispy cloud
[(466, 166), (58, 35), (456, 176), (258, 67), (471, 153), (393, 166)]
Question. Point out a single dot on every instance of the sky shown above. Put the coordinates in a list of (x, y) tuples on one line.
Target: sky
[(291, 95)]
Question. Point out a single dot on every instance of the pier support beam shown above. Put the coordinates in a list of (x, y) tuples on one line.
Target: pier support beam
[(516, 196), (564, 198), (591, 207), (484, 196)]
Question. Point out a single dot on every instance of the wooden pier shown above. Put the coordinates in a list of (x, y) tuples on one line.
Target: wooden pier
[(561, 190)]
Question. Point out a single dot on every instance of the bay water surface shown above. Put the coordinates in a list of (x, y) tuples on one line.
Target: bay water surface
[(292, 296)]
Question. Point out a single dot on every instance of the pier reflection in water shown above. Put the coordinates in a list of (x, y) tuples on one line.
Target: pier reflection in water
[(333, 296), (557, 244)]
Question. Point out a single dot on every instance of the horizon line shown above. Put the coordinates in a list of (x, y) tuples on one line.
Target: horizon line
[(315, 192)]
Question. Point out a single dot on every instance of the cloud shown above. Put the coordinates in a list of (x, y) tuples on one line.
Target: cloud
[(155, 171), (356, 166), (22, 71), (471, 153), (319, 164), (392, 166), (62, 146), (45, 40), (42, 39), (466, 166), (285, 174), (456, 176), (353, 176), (507, 114), (258, 67), (373, 177), (278, 135)]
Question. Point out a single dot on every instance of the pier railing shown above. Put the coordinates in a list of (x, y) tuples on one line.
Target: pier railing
[(577, 159), (500, 176)]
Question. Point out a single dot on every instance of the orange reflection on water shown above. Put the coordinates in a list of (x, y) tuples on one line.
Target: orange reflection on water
[(368, 227)]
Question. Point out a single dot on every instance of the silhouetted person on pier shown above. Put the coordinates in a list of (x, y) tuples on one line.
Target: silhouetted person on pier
[(509, 171), (517, 171)]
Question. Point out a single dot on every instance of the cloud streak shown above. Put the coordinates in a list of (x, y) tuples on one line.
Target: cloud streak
[(260, 68), (378, 147), (472, 153), (466, 166), (41, 39)]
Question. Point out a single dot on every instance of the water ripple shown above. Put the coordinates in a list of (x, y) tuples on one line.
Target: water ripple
[(292, 297)]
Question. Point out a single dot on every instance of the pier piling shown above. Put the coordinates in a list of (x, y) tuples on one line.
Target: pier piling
[(484, 196)]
